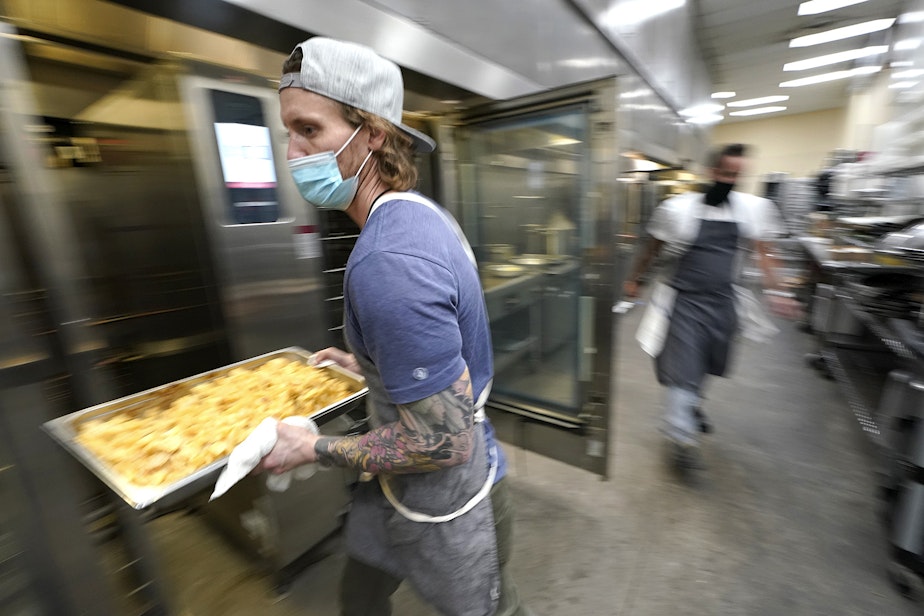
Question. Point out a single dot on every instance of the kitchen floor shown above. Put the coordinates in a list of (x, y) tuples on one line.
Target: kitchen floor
[(783, 521)]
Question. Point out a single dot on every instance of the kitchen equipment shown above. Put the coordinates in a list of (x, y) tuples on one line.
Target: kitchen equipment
[(875, 227), (906, 244), (535, 240), (498, 253), (558, 240), (533, 260), (558, 234), (889, 294), (504, 270)]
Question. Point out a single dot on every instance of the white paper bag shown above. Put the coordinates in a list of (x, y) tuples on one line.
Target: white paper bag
[(652, 330)]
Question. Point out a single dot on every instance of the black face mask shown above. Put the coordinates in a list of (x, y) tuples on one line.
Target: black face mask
[(718, 193)]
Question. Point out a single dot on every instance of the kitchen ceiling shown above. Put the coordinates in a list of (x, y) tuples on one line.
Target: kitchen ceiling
[(745, 44)]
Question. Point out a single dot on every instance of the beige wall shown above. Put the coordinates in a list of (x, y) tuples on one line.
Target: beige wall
[(865, 112), (795, 144)]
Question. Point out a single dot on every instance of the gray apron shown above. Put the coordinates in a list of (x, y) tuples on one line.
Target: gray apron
[(453, 565), (703, 321)]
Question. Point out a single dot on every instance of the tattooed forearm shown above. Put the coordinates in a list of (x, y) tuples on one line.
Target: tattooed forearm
[(430, 434)]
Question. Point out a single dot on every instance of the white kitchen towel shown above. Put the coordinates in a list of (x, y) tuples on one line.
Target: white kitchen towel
[(753, 321), (245, 457), (655, 323)]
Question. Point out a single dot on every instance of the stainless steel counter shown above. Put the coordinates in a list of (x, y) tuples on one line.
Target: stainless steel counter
[(823, 253)]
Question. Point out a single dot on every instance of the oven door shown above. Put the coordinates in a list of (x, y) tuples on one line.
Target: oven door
[(533, 174)]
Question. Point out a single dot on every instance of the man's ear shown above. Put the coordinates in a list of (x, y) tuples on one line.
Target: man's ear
[(376, 138)]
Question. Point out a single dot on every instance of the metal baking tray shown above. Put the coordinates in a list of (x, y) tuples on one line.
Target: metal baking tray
[(64, 429)]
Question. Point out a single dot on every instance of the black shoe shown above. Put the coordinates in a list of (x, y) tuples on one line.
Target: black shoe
[(705, 426), (686, 457)]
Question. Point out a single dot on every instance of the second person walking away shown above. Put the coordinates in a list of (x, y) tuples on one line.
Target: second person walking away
[(706, 238)]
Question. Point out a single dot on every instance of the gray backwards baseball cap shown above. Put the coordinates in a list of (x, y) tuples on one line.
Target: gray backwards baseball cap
[(355, 75)]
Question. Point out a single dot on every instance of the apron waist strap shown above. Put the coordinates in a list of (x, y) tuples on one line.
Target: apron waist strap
[(480, 403), (415, 516)]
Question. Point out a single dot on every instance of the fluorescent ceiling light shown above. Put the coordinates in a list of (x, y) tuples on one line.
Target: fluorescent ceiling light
[(814, 7), (724, 94), (711, 118), (757, 111), (903, 85), (582, 63), (764, 100), (911, 18), (704, 109), (901, 64), (807, 81), (909, 74), (907, 44), (842, 33), (834, 58)]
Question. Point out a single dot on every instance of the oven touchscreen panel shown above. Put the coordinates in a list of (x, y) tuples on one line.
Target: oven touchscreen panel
[(246, 155)]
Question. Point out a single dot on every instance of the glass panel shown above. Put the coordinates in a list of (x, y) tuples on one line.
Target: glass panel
[(522, 189)]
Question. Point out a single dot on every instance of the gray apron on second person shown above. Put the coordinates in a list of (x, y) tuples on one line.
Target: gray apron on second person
[(703, 321)]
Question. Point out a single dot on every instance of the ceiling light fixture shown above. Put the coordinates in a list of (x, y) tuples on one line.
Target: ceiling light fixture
[(764, 100), (704, 109), (903, 85), (807, 81), (814, 7), (757, 111), (911, 18), (909, 74), (907, 44), (711, 118), (724, 94), (835, 58), (838, 34)]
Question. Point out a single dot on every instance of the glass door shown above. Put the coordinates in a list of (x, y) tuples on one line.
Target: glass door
[(525, 190), (540, 219)]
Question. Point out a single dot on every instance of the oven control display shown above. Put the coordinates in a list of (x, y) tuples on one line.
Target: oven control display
[(246, 154)]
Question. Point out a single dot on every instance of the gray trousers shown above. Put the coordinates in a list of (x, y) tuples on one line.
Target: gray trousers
[(680, 423), (366, 591)]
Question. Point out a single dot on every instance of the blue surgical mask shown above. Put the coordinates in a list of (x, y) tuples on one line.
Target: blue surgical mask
[(319, 180)]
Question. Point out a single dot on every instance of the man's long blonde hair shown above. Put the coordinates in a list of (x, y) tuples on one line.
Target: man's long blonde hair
[(396, 156)]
